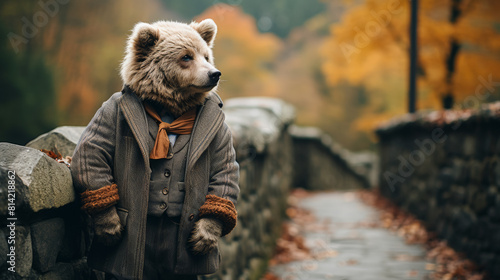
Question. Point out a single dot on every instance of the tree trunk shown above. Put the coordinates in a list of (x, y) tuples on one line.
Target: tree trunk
[(448, 99)]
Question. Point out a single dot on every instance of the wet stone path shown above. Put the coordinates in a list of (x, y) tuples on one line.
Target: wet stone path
[(356, 250)]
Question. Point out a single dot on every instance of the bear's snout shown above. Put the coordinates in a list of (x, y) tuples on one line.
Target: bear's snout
[(214, 76)]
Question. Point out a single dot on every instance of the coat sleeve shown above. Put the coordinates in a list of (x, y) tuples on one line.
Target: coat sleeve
[(223, 188), (92, 163)]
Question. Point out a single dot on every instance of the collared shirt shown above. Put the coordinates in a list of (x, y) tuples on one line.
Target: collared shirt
[(167, 117)]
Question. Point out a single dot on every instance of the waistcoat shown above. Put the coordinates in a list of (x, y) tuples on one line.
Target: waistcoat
[(166, 188)]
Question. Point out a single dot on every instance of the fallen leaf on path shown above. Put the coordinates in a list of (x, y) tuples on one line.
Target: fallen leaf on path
[(430, 266), (290, 246), (270, 276), (310, 266), (349, 262), (326, 254), (412, 273), (406, 258)]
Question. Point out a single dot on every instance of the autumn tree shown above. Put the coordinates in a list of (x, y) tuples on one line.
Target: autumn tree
[(458, 53), (243, 54), (88, 48), (451, 58), (80, 50), (27, 83)]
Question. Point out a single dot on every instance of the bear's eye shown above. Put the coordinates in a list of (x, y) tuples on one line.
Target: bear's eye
[(187, 58), (206, 58)]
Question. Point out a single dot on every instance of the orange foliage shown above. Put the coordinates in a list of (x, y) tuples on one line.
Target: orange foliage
[(369, 48), (243, 55), (86, 49)]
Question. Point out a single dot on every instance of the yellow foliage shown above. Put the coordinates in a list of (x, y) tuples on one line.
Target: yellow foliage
[(86, 48), (243, 55), (368, 47)]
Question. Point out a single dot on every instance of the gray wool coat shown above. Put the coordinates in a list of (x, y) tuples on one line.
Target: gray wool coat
[(114, 149)]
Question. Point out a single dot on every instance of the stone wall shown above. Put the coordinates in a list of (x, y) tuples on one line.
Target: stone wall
[(38, 212), (50, 231), (444, 167), (322, 164), (263, 148)]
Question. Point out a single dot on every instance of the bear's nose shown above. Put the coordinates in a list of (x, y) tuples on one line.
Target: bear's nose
[(214, 76)]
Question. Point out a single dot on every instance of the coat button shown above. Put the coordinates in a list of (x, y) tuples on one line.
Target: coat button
[(170, 155), (167, 173), (191, 217), (163, 206), (164, 191)]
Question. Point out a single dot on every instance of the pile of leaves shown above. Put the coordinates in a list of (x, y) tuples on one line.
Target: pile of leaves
[(449, 264), (58, 157), (291, 244)]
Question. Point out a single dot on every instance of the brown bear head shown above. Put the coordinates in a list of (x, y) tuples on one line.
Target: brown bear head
[(171, 63)]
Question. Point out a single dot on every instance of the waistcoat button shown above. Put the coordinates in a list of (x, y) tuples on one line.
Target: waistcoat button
[(170, 155), (163, 206), (167, 173), (164, 191)]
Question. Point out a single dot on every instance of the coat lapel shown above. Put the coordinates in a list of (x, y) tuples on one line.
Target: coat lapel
[(135, 115), (209, 120), (152, 127), (180, 142)]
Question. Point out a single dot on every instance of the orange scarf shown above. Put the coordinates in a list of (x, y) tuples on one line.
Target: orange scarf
[(182, 125)]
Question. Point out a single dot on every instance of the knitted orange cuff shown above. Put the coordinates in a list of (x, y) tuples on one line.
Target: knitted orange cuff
[(221, 209), (95, 201)]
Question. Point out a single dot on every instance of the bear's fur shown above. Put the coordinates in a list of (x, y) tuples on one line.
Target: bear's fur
[(171, 63)]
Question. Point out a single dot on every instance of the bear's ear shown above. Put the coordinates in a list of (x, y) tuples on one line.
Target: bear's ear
[(145, 36), (207, 29)]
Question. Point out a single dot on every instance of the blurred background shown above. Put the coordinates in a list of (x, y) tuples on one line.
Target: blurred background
[(342, 64)]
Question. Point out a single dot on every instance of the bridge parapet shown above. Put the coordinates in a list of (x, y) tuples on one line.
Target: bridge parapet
[(444, 167), (269, 148)]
